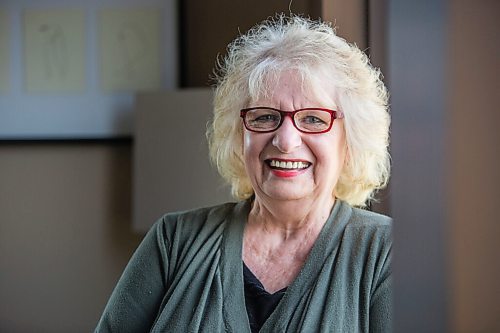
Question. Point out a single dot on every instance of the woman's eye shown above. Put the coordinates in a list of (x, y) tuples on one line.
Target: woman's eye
[(312, 120), (266, 118)]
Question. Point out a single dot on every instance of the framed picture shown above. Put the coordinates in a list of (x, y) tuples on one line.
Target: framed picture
[(70, 70)]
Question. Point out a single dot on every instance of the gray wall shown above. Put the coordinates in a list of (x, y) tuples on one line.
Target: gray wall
[(418, 106)]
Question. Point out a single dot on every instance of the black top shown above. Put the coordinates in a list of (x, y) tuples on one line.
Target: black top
[(259, 303)]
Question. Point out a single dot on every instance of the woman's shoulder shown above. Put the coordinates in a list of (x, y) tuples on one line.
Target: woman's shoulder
[(201, 213), (367, 239), (194, 222), (364, 217), (367, 226)]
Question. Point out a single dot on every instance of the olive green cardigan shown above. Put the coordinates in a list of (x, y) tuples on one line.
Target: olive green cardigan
[(187, 276)]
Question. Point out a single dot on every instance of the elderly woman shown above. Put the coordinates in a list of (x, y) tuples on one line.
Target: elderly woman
[(300, 131)]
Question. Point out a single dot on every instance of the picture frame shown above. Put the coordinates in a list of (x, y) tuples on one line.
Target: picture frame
[(72, 69)]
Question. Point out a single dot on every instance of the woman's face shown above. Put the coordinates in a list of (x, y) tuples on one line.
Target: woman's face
[(319, 157)]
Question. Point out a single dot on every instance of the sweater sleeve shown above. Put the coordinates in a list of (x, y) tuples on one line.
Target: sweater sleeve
[(135, 301), (381, 300)]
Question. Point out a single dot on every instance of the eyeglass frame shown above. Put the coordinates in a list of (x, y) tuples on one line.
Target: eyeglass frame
[(334, 114)]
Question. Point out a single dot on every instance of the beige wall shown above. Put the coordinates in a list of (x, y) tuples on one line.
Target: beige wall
[(474, 161), (64, 233)]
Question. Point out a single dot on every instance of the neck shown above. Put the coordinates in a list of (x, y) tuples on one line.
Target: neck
[(290, 218)]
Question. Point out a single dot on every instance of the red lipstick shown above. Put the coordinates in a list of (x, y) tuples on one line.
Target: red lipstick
[(286, 168)]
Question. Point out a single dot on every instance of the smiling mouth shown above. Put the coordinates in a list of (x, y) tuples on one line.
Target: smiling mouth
[(287, 165)]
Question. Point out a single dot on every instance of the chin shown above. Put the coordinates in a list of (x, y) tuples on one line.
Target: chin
[(287, 194)]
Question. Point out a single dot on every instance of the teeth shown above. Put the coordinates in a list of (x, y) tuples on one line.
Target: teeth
[(288, 165)]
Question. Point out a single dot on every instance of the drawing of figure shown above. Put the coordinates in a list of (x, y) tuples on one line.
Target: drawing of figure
[(54, 51), (132, 45)]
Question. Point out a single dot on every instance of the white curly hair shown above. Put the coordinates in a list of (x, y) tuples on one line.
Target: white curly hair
[(325, 63)]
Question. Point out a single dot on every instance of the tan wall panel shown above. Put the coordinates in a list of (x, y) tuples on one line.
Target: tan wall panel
[(64, 233), (172, 171)]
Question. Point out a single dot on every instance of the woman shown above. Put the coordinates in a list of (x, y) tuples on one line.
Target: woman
[(300, 131)]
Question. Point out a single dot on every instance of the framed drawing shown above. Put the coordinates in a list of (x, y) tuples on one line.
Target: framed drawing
[(130, 44), (70, 70), (54, 50)]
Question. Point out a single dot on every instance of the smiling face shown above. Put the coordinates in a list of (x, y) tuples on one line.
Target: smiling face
[(287, 164)]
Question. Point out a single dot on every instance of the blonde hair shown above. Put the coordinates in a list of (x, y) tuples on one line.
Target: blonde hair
[(311, 49)]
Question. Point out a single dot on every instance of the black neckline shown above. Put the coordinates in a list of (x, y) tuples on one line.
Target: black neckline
[(253, 282)]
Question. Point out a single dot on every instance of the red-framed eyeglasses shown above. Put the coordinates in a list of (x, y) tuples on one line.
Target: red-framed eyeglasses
[(262, 119)]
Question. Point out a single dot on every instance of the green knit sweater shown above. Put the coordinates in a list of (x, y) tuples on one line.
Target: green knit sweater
[(187, 276)]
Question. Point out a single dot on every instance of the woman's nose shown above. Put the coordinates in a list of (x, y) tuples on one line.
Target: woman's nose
[(287, 137)]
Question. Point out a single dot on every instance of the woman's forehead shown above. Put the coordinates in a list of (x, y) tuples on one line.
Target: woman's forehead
[(318, 90)]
